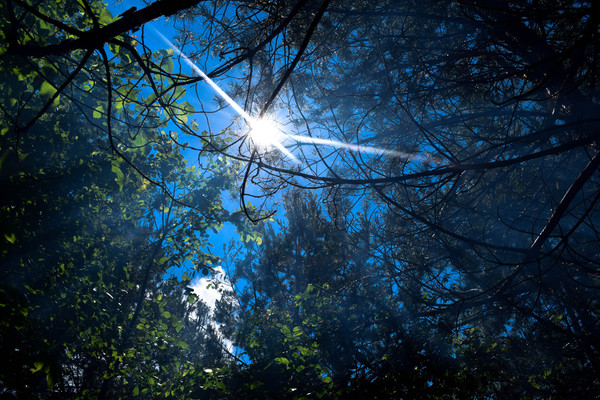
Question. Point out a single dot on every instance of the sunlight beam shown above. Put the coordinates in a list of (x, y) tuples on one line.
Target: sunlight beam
[(201, 73), (360, 148), (266, 134), (255, 124)]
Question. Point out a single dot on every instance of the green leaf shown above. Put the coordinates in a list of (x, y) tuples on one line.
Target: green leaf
[(12, 238), (120, 176), (151, 98), (136, 391), (179, 92), (98, 112), (168, 66), (37, 366), (163, 260), (282, 361), (51, 378), (47, 90), (106, 16), (114, 48)]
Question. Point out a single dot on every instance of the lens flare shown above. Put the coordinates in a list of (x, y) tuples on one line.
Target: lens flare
[(265, 134)]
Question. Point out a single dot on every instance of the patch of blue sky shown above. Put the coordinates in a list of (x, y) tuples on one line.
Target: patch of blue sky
[(209, 116)]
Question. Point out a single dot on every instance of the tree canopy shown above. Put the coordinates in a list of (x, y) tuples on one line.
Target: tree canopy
[(486, 187), (441, 167), (98, 205)]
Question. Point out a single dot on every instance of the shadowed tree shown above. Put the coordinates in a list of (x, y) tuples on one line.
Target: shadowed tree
[(317, 318), (488, 192)]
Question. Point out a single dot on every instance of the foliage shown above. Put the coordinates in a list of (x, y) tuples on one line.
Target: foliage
[(476, 248), (98, 206), (484, 207), (485, 204), (318, 319)]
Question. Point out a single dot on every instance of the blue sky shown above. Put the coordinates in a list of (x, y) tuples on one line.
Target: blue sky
[(205, 94)]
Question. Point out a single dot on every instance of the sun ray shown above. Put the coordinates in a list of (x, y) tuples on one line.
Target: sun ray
[(361, 148), (255, 124), (211, 83), (265, 134)]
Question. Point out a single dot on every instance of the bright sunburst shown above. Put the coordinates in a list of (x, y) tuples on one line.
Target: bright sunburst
[(265, 133)]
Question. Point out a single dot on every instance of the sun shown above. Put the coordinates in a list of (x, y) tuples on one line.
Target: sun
[(265, 134)]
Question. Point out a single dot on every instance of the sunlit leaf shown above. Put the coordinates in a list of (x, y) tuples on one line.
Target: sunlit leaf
[(168, 65), (47, 90), (98, 112), (11, 237), (38, 365)]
